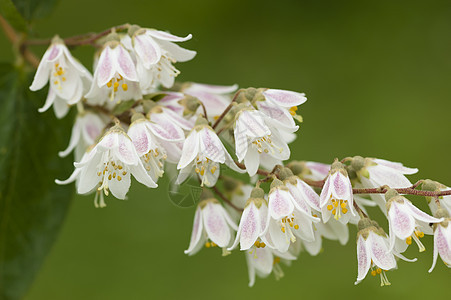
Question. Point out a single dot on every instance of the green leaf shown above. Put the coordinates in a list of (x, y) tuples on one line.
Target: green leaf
[(123, 106), (34, 9), (9, 11), (32, 206)]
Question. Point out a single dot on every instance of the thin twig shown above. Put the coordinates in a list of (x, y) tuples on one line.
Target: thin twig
[(14, 38), (226, 110), (224, 198)]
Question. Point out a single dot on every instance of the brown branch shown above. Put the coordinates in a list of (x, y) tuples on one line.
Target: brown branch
[(382, 190), (15, 38), (79, 40), (224, 198), (226, 110)]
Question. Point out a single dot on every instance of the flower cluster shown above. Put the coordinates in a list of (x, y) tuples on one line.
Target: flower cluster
[(133, 119)]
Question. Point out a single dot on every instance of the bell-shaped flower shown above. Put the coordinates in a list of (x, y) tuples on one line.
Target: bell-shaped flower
[(212, 227), (442, 239), (203, 151), (115, 76), (374, 173), (263, 261), (406, 222), (336, 196), (149, 139), (287, 219), (444, 201), (108, 166), (156, 51), (373, 252), (255, 135), (87, 128), (215, 98), (253, 221), (68, 78), (281, 106)]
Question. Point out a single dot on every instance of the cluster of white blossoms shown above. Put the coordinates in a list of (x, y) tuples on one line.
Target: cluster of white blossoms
[(133, 119)]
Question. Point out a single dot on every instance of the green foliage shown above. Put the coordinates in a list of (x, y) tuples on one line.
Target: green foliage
[(123, 106), (32, 206), (20, 12)]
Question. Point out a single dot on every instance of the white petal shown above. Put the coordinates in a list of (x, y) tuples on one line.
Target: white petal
[(42, 74), (196, 233), (215, 224), (280, 203), (165, 129), (124, 64), (74, 138), (379, 252), (176, 52), (249, 228), (363, 259), (400, 221), (49, 101), (147, 50), (421, 216), (142, 176), (140, 137), (190, 149), (120, 188), (396, 166), (105, 67), (211, 146), (166, 36), (285, 98), (60, 108), (126, 150)]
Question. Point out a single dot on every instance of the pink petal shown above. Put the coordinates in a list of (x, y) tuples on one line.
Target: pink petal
[(363, 259), (147, 50), (400, 221), (196, 233), (379, 252), (215, 224), (105, 67), (280, 203), (285, 98), (126, 152), (140, 137), (250, 227), (125, 65)]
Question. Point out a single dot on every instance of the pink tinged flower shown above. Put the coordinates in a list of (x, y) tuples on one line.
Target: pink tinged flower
[(156, 51), (319, 171), (68, 78), (215, 98), (373, 253), (442, 243), (115, 76), (336, 197), (87, 128), (304, 196), (254, 135), (287, 219), (108, 167), (149, 139), (378, 172), (281, 106), (252, 224), (212, 227), (203, 151), (263, 261), (406, 222)]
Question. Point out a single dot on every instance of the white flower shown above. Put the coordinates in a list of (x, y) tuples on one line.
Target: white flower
[(108, 166), (156, 52), (212, 227), (203, 151), (87, 128), (264, 261), (254, 135), (115, 76), (215, 98), (253, 221), (434, 186), (68, 78), (281, 106), (336, 197), (287, 219), (406, 222), (318, 171), (150, 139), (373, 252), (442, 242), (374, 173)]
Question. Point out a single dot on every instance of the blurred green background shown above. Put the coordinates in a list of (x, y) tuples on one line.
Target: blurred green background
[(377, 75)]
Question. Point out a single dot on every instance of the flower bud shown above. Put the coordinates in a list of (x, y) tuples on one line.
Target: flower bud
[(391, 193), (357, 163), (257, 192)]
